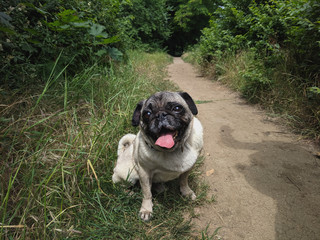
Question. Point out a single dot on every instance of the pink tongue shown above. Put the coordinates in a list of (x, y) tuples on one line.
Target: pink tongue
[(165, 140)]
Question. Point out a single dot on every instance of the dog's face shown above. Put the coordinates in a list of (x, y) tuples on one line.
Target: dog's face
[(164, 119)]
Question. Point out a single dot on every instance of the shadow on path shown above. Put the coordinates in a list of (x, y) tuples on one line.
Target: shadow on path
[(291, 176)]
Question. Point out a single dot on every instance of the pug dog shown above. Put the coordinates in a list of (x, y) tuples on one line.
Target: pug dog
[(166, 147)]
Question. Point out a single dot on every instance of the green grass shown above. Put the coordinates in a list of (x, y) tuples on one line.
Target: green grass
[(58, 150), (274, 88)]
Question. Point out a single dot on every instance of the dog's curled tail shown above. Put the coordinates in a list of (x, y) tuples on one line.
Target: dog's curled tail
[(125, 142)]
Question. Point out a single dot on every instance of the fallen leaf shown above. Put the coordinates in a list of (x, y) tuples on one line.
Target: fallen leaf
[(210, 172)]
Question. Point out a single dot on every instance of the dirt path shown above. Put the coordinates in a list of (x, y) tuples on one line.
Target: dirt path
[(266, 183)]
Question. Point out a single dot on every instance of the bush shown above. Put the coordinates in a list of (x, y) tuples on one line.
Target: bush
[(148, 27), (267, 27), (279, 43), (255, 81), (34, 33)]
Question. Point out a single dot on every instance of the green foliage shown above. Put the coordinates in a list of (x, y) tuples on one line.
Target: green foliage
[(58, 149), (189, 17), (278, 44), (266, 27), (269, 51), (314, 90), (189, 11), (255, 80), (148, 25), (34, 33)]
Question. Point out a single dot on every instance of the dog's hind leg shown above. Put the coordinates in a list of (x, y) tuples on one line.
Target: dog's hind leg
[(124, 169)]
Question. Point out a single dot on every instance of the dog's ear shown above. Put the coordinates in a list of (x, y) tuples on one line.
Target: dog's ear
[(136, 114), (190, 102)]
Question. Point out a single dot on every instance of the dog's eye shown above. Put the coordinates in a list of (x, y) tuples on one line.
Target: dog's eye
[(177, 109), (147, 114)]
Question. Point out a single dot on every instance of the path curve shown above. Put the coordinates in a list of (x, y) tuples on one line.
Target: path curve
[(266, 183)]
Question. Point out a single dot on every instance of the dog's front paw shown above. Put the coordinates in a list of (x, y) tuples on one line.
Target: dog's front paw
[(193, 196), (187, 192), (145, 212), (145, 215)]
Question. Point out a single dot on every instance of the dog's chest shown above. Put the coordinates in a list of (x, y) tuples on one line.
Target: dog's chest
[(164, 176), (168, 166)]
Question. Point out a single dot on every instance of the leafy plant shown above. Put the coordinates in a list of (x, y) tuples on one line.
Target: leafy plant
[(277, 44), (188, 18), (58, 148), (148, 25), (33, 33)]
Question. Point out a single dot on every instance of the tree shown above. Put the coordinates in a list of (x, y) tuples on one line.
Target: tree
[(149, 23)]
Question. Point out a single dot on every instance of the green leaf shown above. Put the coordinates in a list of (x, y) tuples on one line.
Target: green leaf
[(81, 24), (102, 35), (7, 30), (101, 52), (36, 8), (115, 54), (64, 27), (67, 12), (108, 40), (315, 90), (96, 29), (28, 48), (5, 19)]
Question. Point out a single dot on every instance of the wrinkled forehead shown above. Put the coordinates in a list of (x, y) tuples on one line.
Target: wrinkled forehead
[(161, 99)]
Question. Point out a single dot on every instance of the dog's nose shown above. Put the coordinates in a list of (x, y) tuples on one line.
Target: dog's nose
[(161, 115)]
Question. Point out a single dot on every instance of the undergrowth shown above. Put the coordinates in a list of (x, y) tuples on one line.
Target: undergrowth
[(58, 150), (273, 87), (268, 51)]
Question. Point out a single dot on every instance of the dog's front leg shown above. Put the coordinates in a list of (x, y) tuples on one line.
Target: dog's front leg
[(146, 183), (184, 186)]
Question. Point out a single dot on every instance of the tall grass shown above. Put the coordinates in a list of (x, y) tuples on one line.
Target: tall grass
[(272, 86), (58, 149)]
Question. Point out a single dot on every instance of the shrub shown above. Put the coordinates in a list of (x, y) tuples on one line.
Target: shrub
[(34, 33), (279, 41), (267, 27), (148, 27)]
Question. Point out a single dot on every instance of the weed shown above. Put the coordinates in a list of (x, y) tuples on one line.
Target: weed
[(206, 236), (274, 88), (58, 150)]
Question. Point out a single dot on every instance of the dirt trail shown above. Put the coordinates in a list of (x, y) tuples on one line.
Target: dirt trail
[(266, 183)]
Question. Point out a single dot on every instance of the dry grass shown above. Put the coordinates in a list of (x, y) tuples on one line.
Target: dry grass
[(281, 93), (58, 148)]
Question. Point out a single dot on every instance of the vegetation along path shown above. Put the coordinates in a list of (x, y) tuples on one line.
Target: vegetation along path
[(265, 182)]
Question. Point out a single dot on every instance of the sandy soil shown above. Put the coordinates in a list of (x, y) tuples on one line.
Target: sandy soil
[(266, 183)]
